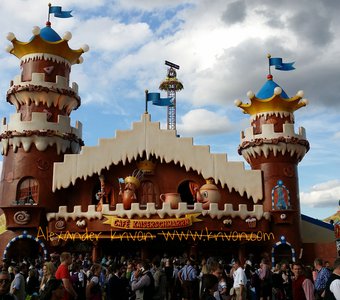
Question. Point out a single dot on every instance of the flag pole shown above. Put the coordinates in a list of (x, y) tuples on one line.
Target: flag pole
[(269, 56), (48, 16), (146, 101)]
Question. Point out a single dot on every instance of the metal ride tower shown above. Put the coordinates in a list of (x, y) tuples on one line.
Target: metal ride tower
[(171, 85)]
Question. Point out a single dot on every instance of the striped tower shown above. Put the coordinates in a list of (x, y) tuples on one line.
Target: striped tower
[(39, 133), (272, 146)]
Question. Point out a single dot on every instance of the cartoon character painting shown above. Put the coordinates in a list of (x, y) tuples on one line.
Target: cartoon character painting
[(280, 197), (105, 195), (208, 193)]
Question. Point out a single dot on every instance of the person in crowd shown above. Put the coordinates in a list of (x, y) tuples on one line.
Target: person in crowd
[(204, 268), (222, 291), (77, 279), (302, 287), (332, 290), (169, 271), (188, 278), (328, 265), (160, 281), (18, 288), (93, 288), (277, 283), (286, 275), (116, 289), (176, 292), (143, 282), (54, 290), (209, 287), (63, 274), (55, 259), (48, 273), (82, 281), (240, 281), (215, 268), (250, 273), (129, 270), (265, 276), (5, 283), (322, 276), (11, 272), (32, 286)]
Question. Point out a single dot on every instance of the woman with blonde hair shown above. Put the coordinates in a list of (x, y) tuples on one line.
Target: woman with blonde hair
[(48, 273), (93, 288)]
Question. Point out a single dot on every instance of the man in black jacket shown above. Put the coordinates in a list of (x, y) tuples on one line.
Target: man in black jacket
[(115, 287), (332, 291), (5, 283)]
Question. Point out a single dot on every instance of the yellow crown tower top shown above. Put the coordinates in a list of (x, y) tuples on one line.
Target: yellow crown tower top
[(46, 41), (271, 98)]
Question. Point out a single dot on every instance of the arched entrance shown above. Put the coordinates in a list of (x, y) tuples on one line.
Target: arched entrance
[(283, 251), (24, 245)]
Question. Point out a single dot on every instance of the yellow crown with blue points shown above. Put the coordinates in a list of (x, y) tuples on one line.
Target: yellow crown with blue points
[(271, 97), (46, 40)]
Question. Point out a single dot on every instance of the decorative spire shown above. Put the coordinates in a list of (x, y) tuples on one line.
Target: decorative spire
[(271, 96), (47, 41), (171, 83)]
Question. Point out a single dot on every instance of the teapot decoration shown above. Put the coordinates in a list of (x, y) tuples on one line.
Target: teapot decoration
[(208, 193)]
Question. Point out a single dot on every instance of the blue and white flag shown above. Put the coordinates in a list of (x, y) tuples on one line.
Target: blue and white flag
[(59, 13), (279, 65), (157, 100)]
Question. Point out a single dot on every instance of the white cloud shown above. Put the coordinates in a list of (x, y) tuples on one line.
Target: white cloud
[(147, 5), (203, 122), (105, 34), (323, 194)]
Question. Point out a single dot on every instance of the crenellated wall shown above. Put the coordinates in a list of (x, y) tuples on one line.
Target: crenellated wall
[(269, 133), (39, 91), (268, 141), (41, 133), (150, 210)]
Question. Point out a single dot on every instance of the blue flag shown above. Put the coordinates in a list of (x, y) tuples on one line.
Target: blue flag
[(279, 65), (59, 13), (157, 100)]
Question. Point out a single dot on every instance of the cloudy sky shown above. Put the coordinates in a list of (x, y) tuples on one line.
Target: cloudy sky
[(221, 47)]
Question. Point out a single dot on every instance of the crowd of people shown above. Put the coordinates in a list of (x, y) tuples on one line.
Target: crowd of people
[(74, 276)]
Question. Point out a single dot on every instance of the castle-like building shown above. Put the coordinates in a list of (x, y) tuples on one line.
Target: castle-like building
[(145, 185)]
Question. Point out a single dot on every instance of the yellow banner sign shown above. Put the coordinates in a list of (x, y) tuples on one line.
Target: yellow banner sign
[(152, 224)]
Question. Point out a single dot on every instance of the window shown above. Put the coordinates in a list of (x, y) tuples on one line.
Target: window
[(147, 192), (28, 191)]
